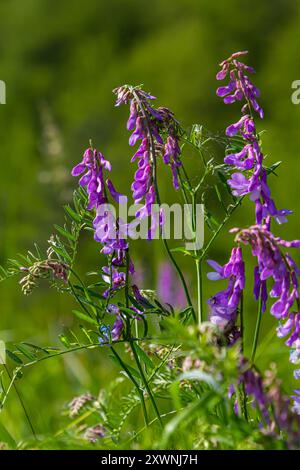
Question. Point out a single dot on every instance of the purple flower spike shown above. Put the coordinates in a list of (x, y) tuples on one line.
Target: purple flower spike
[(250, 158), (282, 269), (224, 305)]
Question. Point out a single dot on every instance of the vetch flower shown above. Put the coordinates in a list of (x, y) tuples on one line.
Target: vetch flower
[(279, 266), (224, 305), (150, 126), (251, 177), (110, 231)]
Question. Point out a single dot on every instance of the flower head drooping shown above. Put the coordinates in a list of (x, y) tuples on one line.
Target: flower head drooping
[(240, 85), (274, 264), (251, 176), (224, 305), (149, 126), (93, 164), (76, 405)]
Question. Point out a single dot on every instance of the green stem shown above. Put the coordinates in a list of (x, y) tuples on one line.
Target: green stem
[(242, 321), (127, 280), (78, 299), (181, 276), (216, 233), (12, 379), (243, 393), (140, 392), (199, 290), (147, 387), (84, 289), (257, 328)]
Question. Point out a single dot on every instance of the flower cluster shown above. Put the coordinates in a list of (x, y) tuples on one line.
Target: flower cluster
[(224, 305), (279, 266), (149, 125), (42, 270), (253, 384), (251, 176), (109, 231)]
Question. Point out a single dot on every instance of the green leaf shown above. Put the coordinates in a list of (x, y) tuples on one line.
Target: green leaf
[(14, 357), (85, 317), (25, 352), (85, 331), (36, 348), (74, 216), (181, 249), (6, 437), (131, 369), (272, 168), (200, 376), (127, 311), (65, 233), (143, 356), (62, 253), (64, 340)]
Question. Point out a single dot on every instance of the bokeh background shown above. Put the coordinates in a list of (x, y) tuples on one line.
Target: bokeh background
[(60, 61)]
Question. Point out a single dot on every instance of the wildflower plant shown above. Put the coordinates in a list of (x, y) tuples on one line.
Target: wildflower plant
[(188, 378)]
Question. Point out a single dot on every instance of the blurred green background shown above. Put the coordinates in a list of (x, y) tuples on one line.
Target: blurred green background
[(60, 61)]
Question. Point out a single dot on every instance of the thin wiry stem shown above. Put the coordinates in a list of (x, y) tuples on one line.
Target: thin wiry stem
[(244, 394), (199, 290), (257, 328), (12, 380), (144, 380), (130, 376)]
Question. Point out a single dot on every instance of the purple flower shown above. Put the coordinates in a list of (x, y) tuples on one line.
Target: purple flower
[(117, 329), (251, 177), (149, 125), (114, 332), (171, 157), (253, 384), (224, 305), (115, 279), (168, 287), (240, 85), (109, 231), (282, 269), (93, 163)]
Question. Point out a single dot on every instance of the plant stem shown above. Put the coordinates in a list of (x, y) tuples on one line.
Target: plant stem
[(216, 233), (243, 392), (181, 276), (12, 379), (140, 392), (193, 223), (242, 321), (199, 290), (127, 280), (257, 328), (136, 357)]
